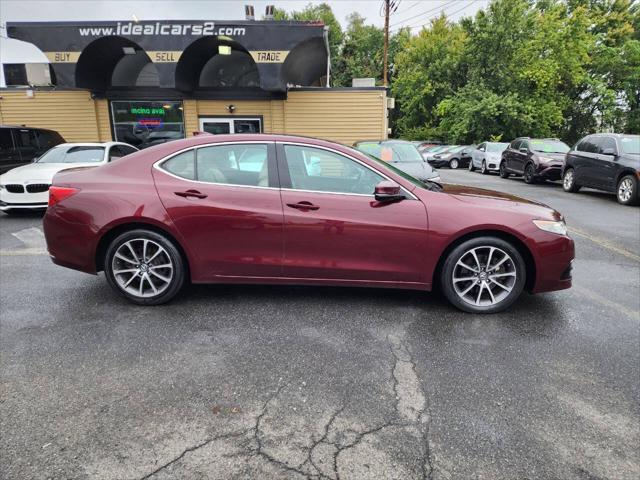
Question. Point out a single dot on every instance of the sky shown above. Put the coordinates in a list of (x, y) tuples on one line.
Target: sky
[(412, 13)]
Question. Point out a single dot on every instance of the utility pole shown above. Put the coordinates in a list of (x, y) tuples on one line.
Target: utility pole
[(386, 40)]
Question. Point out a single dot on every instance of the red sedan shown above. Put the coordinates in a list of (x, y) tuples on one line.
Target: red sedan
[(274, 209)]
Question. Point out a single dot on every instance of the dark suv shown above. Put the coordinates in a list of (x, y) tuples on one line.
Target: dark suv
[(534, 158), (20, 145), (607, 161)]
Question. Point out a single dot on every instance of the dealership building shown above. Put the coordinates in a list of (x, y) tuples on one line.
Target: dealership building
[(149, 81)]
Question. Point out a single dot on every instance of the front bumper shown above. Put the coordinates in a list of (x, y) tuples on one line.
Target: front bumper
[(23, 201), (554, 263), (550, 171)]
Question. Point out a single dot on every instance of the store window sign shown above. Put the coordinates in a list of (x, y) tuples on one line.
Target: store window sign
[(147, 110), (150, 122)]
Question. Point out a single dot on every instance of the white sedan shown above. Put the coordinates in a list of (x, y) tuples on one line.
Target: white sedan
[(27, 187)]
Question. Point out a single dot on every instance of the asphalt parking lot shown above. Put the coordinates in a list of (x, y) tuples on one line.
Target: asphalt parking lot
[(292, 382)]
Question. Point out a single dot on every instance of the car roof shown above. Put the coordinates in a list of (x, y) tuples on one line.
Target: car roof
[(27, 127), (92, 144)]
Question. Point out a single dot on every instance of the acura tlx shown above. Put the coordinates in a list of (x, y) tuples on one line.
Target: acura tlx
[(275, 209)]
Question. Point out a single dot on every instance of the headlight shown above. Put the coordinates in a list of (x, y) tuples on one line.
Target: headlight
[(546, 159), (445, 156), (435, 179), (559, 228)]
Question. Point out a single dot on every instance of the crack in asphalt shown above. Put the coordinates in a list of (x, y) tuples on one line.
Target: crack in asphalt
[(193, 449), (410, 405)]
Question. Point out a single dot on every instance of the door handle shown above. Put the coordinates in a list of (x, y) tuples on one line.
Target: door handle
[(191, 193), (303, 206)]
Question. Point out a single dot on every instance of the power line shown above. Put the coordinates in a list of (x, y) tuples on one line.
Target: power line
[(439, 7), (448, 15)]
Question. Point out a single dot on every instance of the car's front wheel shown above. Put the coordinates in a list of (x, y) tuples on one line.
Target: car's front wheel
[(483, 275), (530, 174), (471, 167), (484, 170), (569, 181), (454, 163), (503, 170), (145, 267), (627, 191)]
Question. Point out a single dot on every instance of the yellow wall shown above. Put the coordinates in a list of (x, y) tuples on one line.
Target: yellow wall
[(343, 116), (73, 114)]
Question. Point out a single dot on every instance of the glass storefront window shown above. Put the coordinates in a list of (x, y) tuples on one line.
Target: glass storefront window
[(147, 123)]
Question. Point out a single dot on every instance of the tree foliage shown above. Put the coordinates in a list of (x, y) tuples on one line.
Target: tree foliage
[(519, 67), (546, 68)]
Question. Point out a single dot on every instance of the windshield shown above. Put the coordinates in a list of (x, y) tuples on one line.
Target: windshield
[(455, 149), (496, 147), (437, 149), (80, 154), (403, 152), (630, 144), (426, 185), (549, 146)]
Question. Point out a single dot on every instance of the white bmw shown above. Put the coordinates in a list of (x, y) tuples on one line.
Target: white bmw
[(27, 187)]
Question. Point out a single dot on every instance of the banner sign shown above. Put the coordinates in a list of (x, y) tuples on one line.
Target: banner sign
[(268, 43)]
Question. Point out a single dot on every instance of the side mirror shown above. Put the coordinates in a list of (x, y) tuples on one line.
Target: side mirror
[(388, 191), (523, 150), (609, 151)]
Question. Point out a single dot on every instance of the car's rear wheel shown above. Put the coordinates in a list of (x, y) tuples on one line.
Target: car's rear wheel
[(145, 267), (484, 170), (483, 275), (627, 191), (569, 181), (471, 167), (530, 174), (454, 163), (503, 170)]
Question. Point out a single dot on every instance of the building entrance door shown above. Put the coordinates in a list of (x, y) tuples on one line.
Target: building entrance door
[(222, 125)]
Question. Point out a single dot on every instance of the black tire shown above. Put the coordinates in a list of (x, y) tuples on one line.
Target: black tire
[(484, 170), (569, 181), (454, 163), (529, 174), (471, 167), (171, 254), (515, 263), (503, 170), (627, 191)]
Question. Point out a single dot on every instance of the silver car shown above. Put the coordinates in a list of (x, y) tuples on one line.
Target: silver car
[(487, 156), (401, 154)]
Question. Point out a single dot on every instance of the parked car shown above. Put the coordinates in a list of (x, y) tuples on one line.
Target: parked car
[(403, 155), (487, 157), (316, 213), (534, 159), (455, 157), (20, 145), (25, 188), (608, 162), (431, 152)]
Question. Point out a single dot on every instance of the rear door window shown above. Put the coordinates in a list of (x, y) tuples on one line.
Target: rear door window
[(238, 164), (182, 165)]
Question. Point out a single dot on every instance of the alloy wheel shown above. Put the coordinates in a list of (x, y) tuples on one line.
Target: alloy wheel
[(483, 169), (625, 190), (567, 182), (454, 163), (529, 174), (142, 268), (484, 276)]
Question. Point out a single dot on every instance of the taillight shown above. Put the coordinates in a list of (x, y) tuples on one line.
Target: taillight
[(57, 194)]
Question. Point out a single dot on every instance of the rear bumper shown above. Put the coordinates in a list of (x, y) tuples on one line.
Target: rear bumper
[(70, 242)]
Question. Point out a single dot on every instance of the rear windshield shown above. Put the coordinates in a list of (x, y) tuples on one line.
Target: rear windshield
[(630, 144), (549, 146), (80, 154), (497, 147)]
